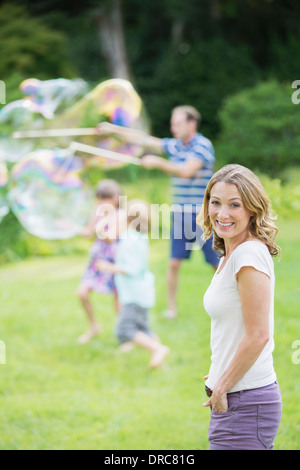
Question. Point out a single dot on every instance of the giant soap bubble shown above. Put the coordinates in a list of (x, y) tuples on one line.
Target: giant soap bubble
[(16, 115), (43, 100), (118, 101), (113, 100), (4, 209), (49, 97), (3, 175), (48, 196)]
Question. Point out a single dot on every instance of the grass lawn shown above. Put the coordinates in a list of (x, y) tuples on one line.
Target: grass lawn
[(56, 394)]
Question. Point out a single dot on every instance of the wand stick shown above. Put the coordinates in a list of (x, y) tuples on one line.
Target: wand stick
[(104, 153), (54, 133)]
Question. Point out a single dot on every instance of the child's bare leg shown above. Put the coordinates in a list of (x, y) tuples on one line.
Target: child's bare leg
[(158, 350), (94, 330), (117, 303), (126, 347)]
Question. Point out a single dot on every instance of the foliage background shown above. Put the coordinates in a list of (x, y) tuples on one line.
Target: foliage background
[(234, 60), (199, 52)]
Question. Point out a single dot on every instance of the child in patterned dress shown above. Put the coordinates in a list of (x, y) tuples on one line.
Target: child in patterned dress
[(105, 223)]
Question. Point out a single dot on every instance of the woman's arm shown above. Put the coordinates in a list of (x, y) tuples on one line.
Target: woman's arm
[(255, 294)]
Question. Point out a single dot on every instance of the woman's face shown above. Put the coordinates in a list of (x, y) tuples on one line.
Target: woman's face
[(228, 215)]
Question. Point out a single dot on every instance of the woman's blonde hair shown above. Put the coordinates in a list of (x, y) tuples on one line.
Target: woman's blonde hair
[(261, 224)]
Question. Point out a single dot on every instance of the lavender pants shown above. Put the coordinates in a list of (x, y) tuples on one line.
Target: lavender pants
[(251, 422)]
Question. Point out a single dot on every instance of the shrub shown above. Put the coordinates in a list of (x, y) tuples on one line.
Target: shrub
[(30, 47), (201, 75), (260, 129)]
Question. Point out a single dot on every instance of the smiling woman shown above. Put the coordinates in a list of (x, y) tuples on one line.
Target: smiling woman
[(228, 215), (243, 392), (243, 196)]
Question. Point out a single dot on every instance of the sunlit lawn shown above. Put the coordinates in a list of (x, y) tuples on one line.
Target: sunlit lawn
[(56, 394)]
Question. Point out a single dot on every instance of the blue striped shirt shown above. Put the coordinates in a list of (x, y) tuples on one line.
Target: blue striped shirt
[(188, 193)]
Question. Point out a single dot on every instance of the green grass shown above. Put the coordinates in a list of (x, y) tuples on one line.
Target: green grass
[(56, 394)]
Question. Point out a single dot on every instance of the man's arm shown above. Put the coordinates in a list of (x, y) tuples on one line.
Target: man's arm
[(185, 170), (132, 136), (155, 145)]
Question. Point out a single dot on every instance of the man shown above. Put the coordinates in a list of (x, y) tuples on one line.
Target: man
[(191, 161)]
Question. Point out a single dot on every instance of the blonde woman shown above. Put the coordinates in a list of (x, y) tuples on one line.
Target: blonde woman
[(244, 395)]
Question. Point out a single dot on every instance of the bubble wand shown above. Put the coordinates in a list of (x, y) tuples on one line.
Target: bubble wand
[(31, 134), (77, 147)]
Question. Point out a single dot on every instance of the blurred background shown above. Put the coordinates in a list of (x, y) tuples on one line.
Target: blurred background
[(199, 52), (233, 60)]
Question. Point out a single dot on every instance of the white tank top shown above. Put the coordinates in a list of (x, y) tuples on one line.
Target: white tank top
[(223, 304)]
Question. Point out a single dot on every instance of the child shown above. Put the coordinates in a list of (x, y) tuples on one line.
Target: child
[(105, 222), (135, 284)]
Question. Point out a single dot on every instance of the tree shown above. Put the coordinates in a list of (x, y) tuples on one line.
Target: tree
[(261, 128), (30, 47), (109, 24)]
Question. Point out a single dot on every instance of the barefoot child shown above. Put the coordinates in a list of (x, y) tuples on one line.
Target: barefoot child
[(104, 222), (135, 284)]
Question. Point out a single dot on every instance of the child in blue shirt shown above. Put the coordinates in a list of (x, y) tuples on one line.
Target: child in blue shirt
[(135, 283)]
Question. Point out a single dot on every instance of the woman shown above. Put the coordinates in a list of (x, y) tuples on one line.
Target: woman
[(244, 396)]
